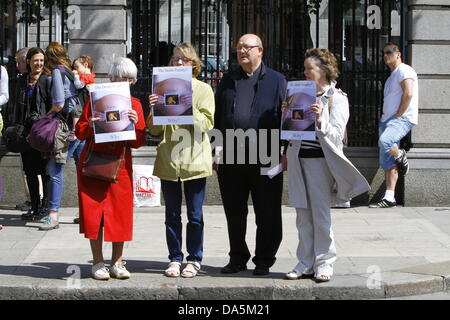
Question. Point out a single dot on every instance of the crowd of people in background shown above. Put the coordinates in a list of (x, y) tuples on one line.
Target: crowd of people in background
[(251, 97)]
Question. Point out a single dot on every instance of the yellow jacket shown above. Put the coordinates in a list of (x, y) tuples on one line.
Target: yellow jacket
[(189, 155)]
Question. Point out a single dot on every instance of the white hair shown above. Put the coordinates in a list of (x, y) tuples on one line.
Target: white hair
[(22, 54), (123, 69)]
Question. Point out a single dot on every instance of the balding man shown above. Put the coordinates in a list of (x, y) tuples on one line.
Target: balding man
[(250, 99), (21, 60)]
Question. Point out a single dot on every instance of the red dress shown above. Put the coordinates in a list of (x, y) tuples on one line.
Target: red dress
[(101, 200)]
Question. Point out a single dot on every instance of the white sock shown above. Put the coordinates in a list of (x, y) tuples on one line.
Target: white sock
[(389, 195)]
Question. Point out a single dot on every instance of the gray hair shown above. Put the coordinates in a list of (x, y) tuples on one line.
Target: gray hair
[(123, 69), (22, 54)]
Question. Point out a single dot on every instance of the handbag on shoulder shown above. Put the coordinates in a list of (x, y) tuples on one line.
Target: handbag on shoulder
[(102, 166), (43, 132)]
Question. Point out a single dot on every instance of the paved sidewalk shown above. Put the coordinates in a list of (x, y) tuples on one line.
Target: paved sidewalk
[(382, 253)]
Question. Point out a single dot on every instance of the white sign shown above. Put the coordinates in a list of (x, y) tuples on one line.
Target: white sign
[(298, 122), (173, 85), (110, 104)]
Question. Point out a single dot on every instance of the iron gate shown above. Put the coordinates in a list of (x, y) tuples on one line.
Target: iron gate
[(28, 23), (159, 25), (287, 28), (354, 30)]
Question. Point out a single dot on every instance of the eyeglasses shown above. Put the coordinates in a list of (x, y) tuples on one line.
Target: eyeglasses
[(184, 59), (390, 51), (246, 48)]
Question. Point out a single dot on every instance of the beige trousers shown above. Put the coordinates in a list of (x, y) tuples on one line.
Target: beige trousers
[(316, 251)]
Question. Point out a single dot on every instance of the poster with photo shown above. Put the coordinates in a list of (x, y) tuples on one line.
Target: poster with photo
[(111, 103), (298, 122), (173, 85)]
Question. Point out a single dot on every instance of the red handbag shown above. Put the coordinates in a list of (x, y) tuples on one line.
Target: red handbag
[(102, 166)]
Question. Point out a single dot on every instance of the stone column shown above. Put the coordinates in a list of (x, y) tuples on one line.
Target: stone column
[(102, 32), (428, 183)]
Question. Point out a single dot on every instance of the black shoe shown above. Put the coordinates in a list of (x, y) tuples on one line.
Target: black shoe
[(261, 270), (402, 164), (76, 220), (233, 268), (26, 206), (41, 214), (383, 204), (28, 216)]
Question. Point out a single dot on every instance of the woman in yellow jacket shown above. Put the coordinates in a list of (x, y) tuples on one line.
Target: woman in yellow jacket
[(184, 157)]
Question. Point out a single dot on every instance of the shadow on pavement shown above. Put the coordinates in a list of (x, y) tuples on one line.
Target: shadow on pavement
[(62, 271), (9, 220)]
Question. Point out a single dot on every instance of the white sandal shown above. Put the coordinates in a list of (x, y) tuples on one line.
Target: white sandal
[(323, 278), (324, 273), (190, 271), (173, 270), (295, 275)]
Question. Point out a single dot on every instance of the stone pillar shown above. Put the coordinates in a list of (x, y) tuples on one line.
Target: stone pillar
[(429, 48), (102, 32)]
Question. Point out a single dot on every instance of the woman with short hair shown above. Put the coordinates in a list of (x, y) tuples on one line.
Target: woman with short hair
[(191, 172), (106, 208), (318, 171)]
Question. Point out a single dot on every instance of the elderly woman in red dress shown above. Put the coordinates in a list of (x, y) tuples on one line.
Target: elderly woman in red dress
[(106, 208)]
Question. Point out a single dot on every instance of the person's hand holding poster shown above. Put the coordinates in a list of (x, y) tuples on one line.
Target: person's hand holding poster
[(111, 103), (173, 86), (298, 122)]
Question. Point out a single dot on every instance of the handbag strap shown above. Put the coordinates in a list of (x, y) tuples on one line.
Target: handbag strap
[(90, 149)]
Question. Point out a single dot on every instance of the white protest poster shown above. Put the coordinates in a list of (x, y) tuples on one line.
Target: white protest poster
[(110, 103), (298, 122), (146, 187), (173, 85)]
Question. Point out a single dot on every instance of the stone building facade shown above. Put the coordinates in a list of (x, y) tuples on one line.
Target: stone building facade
[(105, 30)]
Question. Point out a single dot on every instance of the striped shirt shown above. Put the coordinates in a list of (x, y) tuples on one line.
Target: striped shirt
[(312, 148)]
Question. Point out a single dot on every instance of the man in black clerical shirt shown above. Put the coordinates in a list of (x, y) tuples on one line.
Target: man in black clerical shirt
[(250, 99)]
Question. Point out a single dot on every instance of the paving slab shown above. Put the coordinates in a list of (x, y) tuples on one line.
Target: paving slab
[(382, 253)]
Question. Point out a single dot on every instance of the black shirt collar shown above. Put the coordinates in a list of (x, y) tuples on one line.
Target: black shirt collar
[(241, 74)]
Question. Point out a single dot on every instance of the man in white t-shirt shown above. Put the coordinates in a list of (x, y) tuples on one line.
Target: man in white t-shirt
[(400, 114)]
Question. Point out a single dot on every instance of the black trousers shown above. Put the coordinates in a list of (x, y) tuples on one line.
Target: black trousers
[(34, 165), (236, 183)]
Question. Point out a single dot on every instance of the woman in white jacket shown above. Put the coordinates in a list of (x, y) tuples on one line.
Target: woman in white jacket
[(319, 174)]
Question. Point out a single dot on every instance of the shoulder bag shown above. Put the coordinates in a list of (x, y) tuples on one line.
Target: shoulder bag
[(43, 132), (102, 166)]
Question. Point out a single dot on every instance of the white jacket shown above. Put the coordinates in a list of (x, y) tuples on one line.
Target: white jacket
[(349, 182), (4, 93)]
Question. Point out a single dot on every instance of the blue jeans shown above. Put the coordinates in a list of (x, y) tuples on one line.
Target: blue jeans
[(194, 192), (55, 171), (391, 132)]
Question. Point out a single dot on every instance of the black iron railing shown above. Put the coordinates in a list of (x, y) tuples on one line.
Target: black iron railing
[(28, 23), (287, 28), (158, 26)]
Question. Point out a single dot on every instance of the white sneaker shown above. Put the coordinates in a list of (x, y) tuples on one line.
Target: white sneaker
[(119, 271), (100, 271)]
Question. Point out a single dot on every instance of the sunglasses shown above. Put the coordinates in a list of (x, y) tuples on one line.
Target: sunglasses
[(184, 59), (390, 51)]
